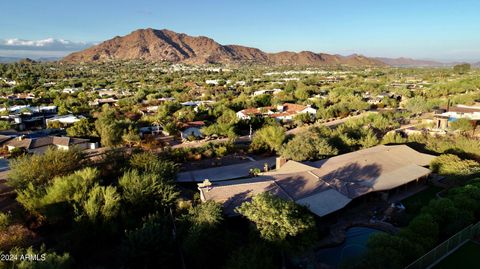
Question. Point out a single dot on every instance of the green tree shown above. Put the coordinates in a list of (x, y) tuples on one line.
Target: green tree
[(102, 204), (269, 137), (207, 213), (368, 139), (52, 199), (5, 125), (393, 138), (204, 234), (150, 246), (148, 162), (276, 219), (308, 146), (108, 128), (147, 192), (131, 137), (462, 68), (417, 104), (82, 128)]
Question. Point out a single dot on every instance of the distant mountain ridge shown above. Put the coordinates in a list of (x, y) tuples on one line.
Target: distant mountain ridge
[(4, 59), (165, 45), (409, 62)]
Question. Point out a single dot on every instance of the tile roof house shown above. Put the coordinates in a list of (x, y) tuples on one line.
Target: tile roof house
[(41, 144), (328, 185), (285, 112)]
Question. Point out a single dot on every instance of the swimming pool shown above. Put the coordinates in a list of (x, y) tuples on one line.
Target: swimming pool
[(353, 246)]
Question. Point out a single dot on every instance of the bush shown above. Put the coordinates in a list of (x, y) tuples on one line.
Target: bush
[(15, 235), (4, 220), (40, 169), (452, 165)]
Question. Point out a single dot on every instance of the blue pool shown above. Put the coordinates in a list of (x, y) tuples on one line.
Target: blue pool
[(353, 246), (452, 119)]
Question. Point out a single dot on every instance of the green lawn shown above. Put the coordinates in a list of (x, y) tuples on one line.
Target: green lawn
[(414, 203), (464, 257)]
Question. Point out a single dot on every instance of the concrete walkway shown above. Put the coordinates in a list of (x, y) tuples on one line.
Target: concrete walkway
[(224, 172)]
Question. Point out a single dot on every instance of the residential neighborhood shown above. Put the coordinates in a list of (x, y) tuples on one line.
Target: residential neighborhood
[(239, 135)]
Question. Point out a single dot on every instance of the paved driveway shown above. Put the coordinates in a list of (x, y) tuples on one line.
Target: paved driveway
[(223, 172)]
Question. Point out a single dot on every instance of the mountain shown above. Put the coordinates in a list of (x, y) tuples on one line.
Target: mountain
[(166, 45), (409, 62)]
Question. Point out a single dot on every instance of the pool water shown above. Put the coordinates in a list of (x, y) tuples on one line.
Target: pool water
[(354, 245)]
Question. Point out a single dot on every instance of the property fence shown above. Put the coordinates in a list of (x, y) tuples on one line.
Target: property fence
[(444, 248)]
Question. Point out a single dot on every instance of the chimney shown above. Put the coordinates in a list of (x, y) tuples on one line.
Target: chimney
[(279, 162), (20, 138), (280, 108)]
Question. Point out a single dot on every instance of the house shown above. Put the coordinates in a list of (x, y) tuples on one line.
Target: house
[(240, 83), (165, 99), (70, 90), (212, 82), (41, 144), (216, 82), (100, 102), (196, 103), (329, 185), (9, 82), (21, 97), (17, 109), (26, 116), (272, 91), (248, 113), (192, 128), (285, 112), (64, 119), (442, 119)]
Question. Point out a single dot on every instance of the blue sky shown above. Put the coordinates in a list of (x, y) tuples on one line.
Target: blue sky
[(425, 29)]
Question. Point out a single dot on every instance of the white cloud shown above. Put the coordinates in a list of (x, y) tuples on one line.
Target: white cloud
[(49, 44)]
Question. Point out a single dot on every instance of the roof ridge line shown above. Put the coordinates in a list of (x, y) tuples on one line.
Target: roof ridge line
[(281, 188), (244, 183)]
